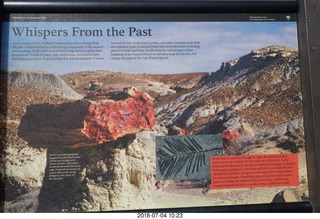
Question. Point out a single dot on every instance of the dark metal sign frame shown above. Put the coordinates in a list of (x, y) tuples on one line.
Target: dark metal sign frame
[(308, 13)]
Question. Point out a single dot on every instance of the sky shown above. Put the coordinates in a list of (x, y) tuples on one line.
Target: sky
[(219, 42)]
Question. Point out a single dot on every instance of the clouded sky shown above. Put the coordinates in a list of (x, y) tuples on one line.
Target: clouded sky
[(219, 42)]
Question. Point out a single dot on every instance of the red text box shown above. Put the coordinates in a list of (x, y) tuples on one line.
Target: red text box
[(250, 171)]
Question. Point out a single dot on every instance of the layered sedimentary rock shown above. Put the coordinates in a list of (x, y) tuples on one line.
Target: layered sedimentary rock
[(100, 117), (115, 175)]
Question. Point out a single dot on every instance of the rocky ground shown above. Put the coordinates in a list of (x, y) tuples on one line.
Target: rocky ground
[(258, 95), (157, 86), (173, 193)]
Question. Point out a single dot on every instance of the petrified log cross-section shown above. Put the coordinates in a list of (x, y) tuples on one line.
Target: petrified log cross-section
[(98, 118)]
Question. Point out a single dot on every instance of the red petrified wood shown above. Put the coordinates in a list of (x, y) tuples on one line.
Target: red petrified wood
[(110, 119), (99, 117)]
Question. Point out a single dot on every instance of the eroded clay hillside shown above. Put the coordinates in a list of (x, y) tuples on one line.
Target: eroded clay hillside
[(260, 90)]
